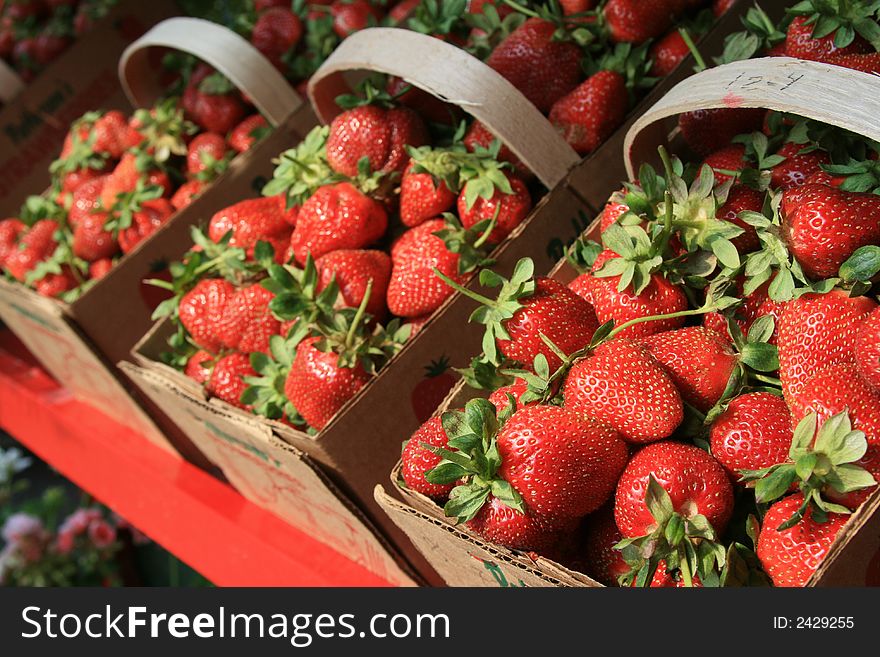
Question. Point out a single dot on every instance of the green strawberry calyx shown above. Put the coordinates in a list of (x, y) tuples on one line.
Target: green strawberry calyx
[(472, 457), (686, 542), (265, 392), (297, 295), (844, 19), (301, 171), (819, 462)]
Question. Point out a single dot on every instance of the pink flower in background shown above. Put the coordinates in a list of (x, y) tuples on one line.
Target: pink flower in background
[(20, 527), (78, 521), (102, 534), (65, 542)]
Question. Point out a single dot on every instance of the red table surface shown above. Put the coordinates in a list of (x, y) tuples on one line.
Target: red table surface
[(198, 518)]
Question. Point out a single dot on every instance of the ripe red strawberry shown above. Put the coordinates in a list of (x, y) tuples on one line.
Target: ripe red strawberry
[(636, 21), (815, 332), (422, 197), (354, 270), (590, 114), (695, 482), (800, 43), (247, 133), (429, 393), (351, 16), (72, 181), (498, 523), (660, 297), (542, 67), (113, 135), (227, 378), (753, 432), (91, 241), (264, 219), (187, 193), (707, 131), (54, 285), (276, 31), (755, 305), (125, 177), (508, 210), (667, 53), (721, 7), (478, 135), (318, 386), (741, 199), (604, 563), (790, 557), (204, 152), (499, 398), (381, 135), (798, 167), (145, 221), (836, 389), (246, 323), (622, 385), (34, 245), (867, 63), (85, 200), (416, 461), (337, 217), (824, 226), (199, 365), (218, 113), (414, 290), (100, 268), (697, 360), (10, 231), (612, 211), (726, 160), (200, 311), (867, 347)]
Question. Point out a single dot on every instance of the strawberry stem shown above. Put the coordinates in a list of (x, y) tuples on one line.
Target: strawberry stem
[(359, 315), (479, 298), (654, 318), (522, 9), (482, 239), (701, 63), (686, 573)]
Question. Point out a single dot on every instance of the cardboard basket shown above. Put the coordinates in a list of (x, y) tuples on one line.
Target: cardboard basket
[(79, 342), (808, 89)]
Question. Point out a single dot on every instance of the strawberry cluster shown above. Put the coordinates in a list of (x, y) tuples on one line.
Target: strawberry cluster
[(33, 33), (118, 179), (700, 404), (288, 304)]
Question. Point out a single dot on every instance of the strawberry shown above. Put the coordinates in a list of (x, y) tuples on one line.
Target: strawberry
[(264, 219), (10, 231), (589, 114), (54, 285), (622, 385), (146, 220), (187, 193), (667, 53), (34, 246), (200, 311), (498, 523), (214, 112), (867, 63), (112, 134), (100, 268), (227, 378), (478, 136), (378, 134), (416, 461), (824, 226), (318, 386), (204, 153), (614, 209), (727, 161), (752, 433), (247, 133), (791, 556), (800, 42), (754, 305), (742, 199), (707, 131), (604, 563), (429, 393), (815, 332), (246, 323), (508, 208), (660, 297), (276, 32), (91, 241), (541, 66), (199, 365), (414, 290), (636, 21), (351, 16), (867, 346), (337, 217), (422, 195), (500, 400), (697, 360), (797, 167), (125, 177), (721, 7), (354, 270)]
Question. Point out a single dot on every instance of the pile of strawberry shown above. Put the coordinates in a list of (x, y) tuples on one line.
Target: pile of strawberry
[(288, 304), (118, 179), (700, 405), (35, 32)]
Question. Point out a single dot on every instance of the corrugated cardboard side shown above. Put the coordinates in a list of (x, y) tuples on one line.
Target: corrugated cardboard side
[(33, 126), (275, 476)]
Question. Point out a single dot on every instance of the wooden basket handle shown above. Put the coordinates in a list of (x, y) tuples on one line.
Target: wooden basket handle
[(456, 77), (218, 46), (10, 84), (834, 95)]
